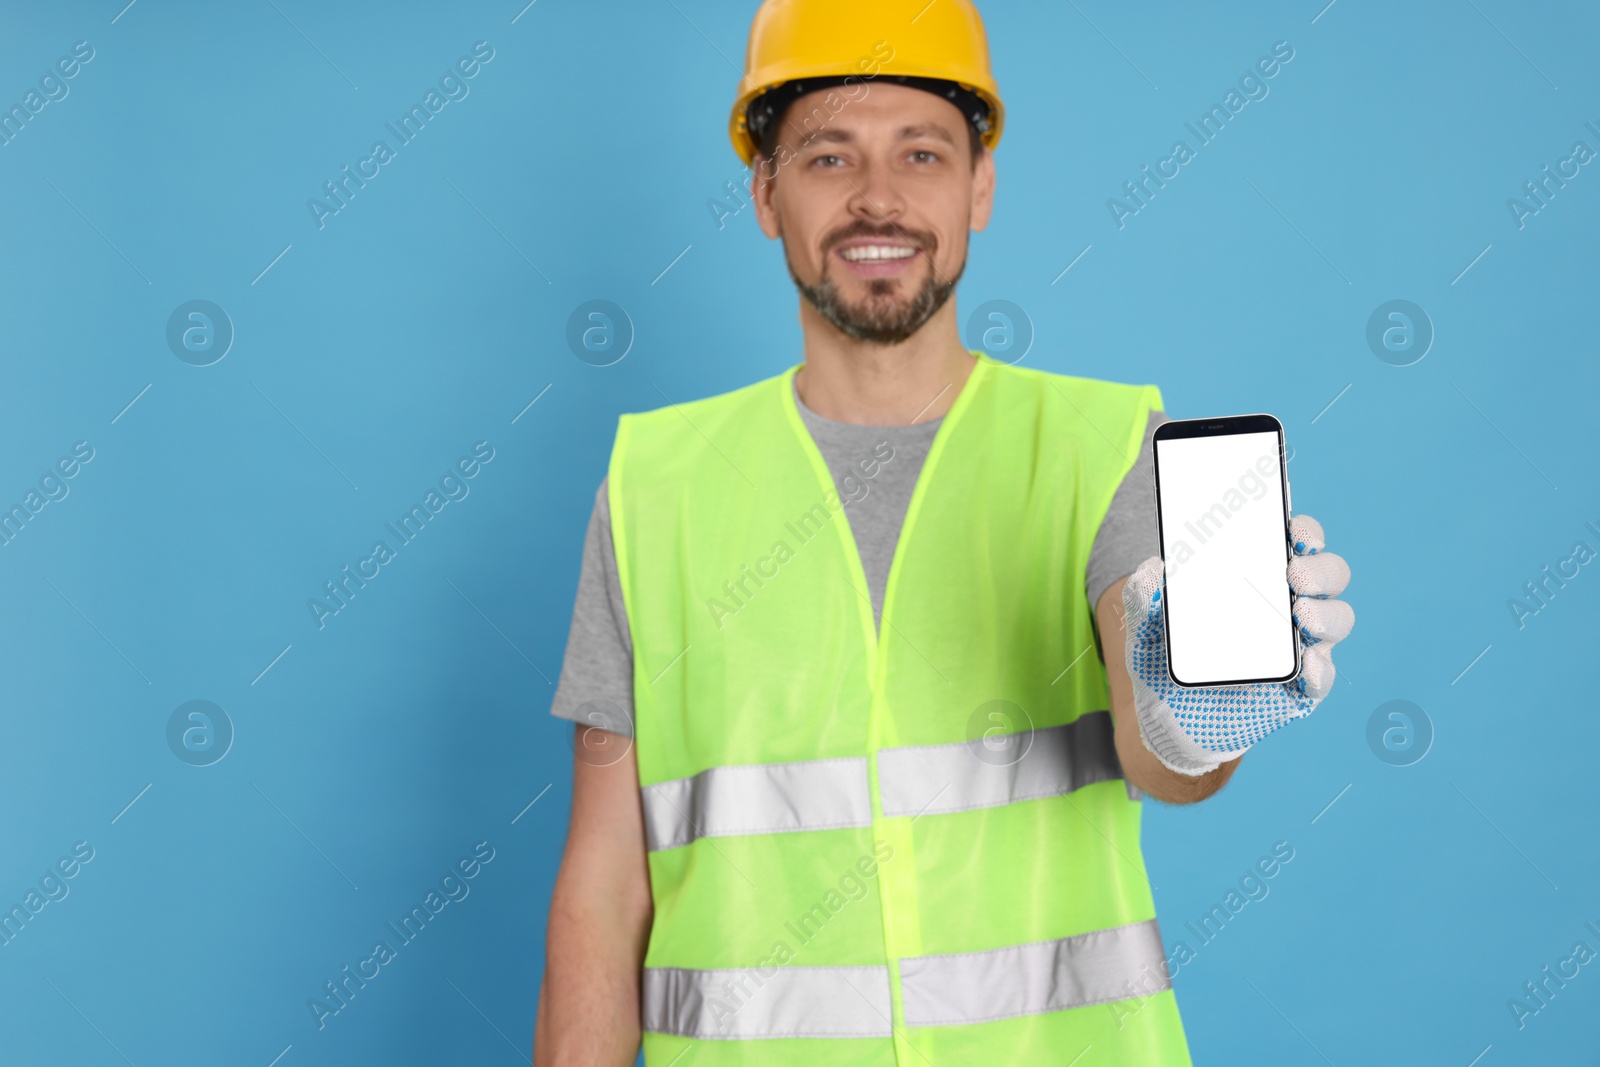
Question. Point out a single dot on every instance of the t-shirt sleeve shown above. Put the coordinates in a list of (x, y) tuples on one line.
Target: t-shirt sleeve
[(596, 685), (1128, 534)]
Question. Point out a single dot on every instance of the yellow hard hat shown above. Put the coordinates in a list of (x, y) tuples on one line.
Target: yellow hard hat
[(793, 41)]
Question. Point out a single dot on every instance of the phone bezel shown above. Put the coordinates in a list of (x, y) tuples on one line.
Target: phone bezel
[(1222, 426)]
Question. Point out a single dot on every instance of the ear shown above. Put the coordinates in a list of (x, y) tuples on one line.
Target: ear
[(983, 179), (763, 192)]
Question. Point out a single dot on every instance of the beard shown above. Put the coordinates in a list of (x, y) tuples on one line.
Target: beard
[(880, 319)]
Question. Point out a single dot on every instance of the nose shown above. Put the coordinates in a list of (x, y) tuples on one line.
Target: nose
[(875, 196)]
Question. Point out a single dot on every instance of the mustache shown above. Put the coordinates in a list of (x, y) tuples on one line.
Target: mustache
[(925, 242)]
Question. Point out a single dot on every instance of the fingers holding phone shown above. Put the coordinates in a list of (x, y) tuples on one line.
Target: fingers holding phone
[(1317, 576)]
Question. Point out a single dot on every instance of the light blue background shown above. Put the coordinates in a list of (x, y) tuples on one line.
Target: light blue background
[(428, 313)]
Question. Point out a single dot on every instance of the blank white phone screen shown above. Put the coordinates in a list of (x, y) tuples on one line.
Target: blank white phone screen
[(1228, 606)]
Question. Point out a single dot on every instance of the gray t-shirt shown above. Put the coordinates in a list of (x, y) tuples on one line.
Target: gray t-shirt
[(596, 685)]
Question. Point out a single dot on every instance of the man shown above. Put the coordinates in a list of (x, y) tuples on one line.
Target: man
[(848, 787)]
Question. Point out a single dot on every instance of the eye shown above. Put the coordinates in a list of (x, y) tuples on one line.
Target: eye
[(932, 155), (821, 158)]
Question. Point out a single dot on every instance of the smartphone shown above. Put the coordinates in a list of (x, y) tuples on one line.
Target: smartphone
[(1222, 501)]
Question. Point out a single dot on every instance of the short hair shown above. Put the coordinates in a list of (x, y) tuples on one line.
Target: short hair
[(767, 143)]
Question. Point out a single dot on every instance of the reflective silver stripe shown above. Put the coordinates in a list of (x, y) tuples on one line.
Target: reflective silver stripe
[(1118, 963), (739, 1003), (757, 798), (936, 779)]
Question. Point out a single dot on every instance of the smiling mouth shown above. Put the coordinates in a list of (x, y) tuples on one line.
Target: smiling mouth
[(877, 259), (877, 253)]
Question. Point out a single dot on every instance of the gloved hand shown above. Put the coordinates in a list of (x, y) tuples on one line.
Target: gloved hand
[(1192, 731)]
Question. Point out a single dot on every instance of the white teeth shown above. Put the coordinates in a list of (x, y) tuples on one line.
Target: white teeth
[(869, 252)]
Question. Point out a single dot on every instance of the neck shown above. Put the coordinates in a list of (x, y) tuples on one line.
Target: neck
[(875, 385)]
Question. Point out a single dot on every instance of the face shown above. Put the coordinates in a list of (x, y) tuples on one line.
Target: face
[(874, 195)]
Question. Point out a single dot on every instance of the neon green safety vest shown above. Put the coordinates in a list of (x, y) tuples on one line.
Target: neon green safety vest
[(910, 849)]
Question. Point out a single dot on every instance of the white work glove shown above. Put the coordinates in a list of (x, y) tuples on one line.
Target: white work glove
[(1192, 731)]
